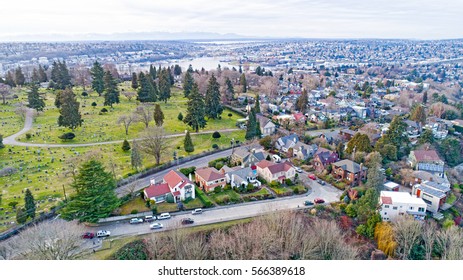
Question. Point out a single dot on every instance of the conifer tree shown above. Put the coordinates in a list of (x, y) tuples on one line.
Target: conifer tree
[(177, 70), (257, 105), (301, 103), (136, 159), (158, 115), (69, 110), (42, 75), (29, 204), (9, 80), (125, 145), (195, 116), (35, 100), (19, 78), (94, 194), (243, 83), (212, 100), (134, 80), (111, 91), (230, 91), (188, 81), (252, 127), (35, 76), (97, 73), (188, 143), (152, 72), (164, 85), (146, 91)]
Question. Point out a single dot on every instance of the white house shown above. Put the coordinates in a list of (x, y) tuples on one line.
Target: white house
[(395, 204), (241, 177), (267, 127), (279, 172), (175, 184), (433, 194), (286, 142)]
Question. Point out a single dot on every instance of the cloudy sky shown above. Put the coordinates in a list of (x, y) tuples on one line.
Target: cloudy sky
[(415, 19)]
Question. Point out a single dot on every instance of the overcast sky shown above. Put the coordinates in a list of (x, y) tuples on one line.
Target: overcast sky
[(415, 19)]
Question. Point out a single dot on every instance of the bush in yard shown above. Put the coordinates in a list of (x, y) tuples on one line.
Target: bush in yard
[(351, 210), (134, 211), (28, 136), (67, 136), (219, 165), (215, 146), (289, 182), (187, 170), (94, 104), (296, 191), (230, 115), (250, 187), (203, 198), (84, 93), (169, 198), (136, 250), (274, 184), (216, 135), (125, 145), (217, 190), (104, 110), (180, 116), (154, 209)]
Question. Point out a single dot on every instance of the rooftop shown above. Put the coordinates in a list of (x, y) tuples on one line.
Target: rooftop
[(388, 197)]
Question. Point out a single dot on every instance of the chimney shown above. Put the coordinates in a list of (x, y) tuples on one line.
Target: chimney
[(153, 181), (189, 177)]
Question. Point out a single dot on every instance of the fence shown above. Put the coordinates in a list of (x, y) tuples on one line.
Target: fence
[(17, 229)]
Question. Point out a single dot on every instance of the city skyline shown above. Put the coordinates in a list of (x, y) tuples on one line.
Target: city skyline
[(57, 20)]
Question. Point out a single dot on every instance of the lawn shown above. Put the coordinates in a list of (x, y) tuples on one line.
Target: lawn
[(10, 122), (225, 197), (300, 189), (100, 127), (282, 191), (136, 204)]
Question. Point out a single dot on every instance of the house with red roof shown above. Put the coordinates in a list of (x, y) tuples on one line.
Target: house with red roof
[(279, 172), (299, 117), (209, 178), (427, 160), (175, 184)]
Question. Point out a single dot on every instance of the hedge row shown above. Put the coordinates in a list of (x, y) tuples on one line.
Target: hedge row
[(204, 199)]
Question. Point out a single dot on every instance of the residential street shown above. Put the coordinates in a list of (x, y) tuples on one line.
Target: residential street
[(225, 213)]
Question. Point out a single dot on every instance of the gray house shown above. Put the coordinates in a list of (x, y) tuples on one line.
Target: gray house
[(267, 127)]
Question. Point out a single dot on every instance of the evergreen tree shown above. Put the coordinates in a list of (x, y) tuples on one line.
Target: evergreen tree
[(252, 127), (136, 159), (177, 70), (243, 83), (58, 99), (1, 142), (69, 110), (94, 194), (146, 91), (360, 142), (340, 150), (125, 145), (212, 99), (97, 73), (134, 80), (240, 70), (188, 81), (152, 72), (42, 75), (29, 204), (425, 97), (418, 114), (188, 143), (19, 78), (9, 80), (35, 100), (190, 69), (164, 85), (111, 91), (396, 137), (301, 103), (158, 115), (64, 76), (195, 116), (257, 105), (35, 76), (230, 91), (21, 216), (171, 76)]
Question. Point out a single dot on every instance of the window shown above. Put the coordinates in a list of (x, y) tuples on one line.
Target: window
[(420, 209), (385, 213), (386, 206), (410, 208), (394, 208)]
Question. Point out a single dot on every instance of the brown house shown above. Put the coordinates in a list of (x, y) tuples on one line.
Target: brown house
[(350, 171), (324, 157), (209, 178)]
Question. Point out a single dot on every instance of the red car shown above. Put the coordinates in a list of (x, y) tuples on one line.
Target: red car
[(88, 235), (311, 176), (318, 200)]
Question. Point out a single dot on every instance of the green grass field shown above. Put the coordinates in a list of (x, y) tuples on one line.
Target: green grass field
[(42, 170)]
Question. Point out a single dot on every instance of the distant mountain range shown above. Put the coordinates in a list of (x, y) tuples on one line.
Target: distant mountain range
[(123, 36)]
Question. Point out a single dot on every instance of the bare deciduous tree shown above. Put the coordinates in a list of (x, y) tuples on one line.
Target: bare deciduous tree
[(407, 234), (5, 92), (126, 120), (82, 75), (54, 240), (450, 243), (429, 238), (129, 95), (143, 114), (154, 142)]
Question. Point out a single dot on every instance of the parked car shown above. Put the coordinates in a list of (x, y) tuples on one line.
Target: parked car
[(308, 203), (150, 218), (298, 169), (88, 235), (321, 182), (103, 233), (136, 221), (164, 216), (311, 176), (156, 226), (276, 158), (187, 221), (197, 211), (319, 200)]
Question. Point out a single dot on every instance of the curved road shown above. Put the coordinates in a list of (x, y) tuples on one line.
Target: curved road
[(11, 140)]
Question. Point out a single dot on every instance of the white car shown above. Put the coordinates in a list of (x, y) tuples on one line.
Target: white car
[(136, 221), (164, 216), (197, 211), (156, 226), (298, 170), (103, 233)]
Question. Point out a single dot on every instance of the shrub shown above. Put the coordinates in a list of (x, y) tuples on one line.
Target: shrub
[(154, 209), (104, 110), (180, 116), (216, 135), (67, 136), (136, 250), (28, 136), (289, 182), (84, 93), (217, 190), (188, 170), (169, 198), (296, 191), (125, 145), (219, 165), (134, 211), (215, 146), (230, 115), (250, 188), (274, 184), (94, 104), (203, 198)]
